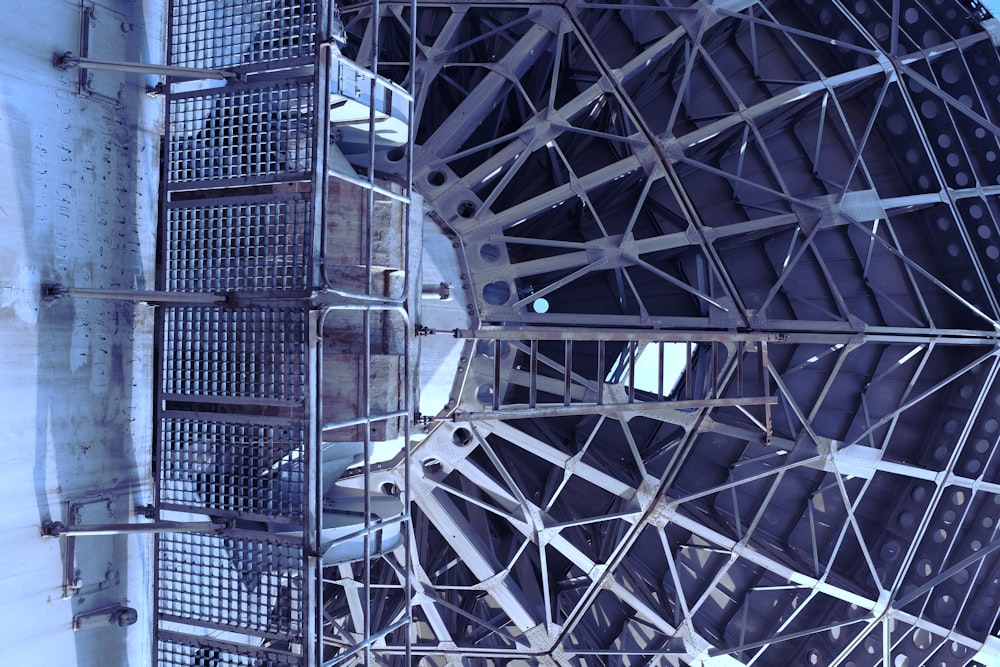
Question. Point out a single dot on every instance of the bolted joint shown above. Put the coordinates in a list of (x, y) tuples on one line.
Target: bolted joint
[(440, 290), (52, 528), (125, 617), (230, 299), (65, 60), (53, 291), (223, 524)]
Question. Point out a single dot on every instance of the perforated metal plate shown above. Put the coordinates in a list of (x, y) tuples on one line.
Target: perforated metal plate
[(232, 422)]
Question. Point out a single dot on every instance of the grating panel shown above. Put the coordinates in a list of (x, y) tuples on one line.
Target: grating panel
[(222, 34), (252, 586), (241, 135), (183, 651), (249, 353), (254, 244), (250, 470)]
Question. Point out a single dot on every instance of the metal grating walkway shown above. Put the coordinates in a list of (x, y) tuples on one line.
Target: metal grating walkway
[(236, 412), (241, 243), (254, 34), (255, 355), (246, 284), (227, 468), (243, 134)]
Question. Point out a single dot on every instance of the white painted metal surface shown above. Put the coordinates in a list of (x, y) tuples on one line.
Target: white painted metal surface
[(77, 205)]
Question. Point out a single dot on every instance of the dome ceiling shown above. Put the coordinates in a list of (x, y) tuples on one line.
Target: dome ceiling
[(802, 196)]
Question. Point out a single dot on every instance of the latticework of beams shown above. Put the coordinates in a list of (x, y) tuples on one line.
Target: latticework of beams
[(817, 180)]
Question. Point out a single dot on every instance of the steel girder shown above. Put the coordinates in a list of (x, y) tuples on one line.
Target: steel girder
[(818, 175)]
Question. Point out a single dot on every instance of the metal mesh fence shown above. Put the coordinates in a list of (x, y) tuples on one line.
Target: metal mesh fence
[(222, 34), (247, 353), (241, 135), (183, 651), (247, 585), (261, 243), (221, 467)]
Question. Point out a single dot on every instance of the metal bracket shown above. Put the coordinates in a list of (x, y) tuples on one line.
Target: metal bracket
[(115, 615), (74, 512), (67, 60), (59, 529), (85, 83), (53, 291)]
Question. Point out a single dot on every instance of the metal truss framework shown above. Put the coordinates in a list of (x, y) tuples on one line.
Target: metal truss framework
[(804, 195)]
